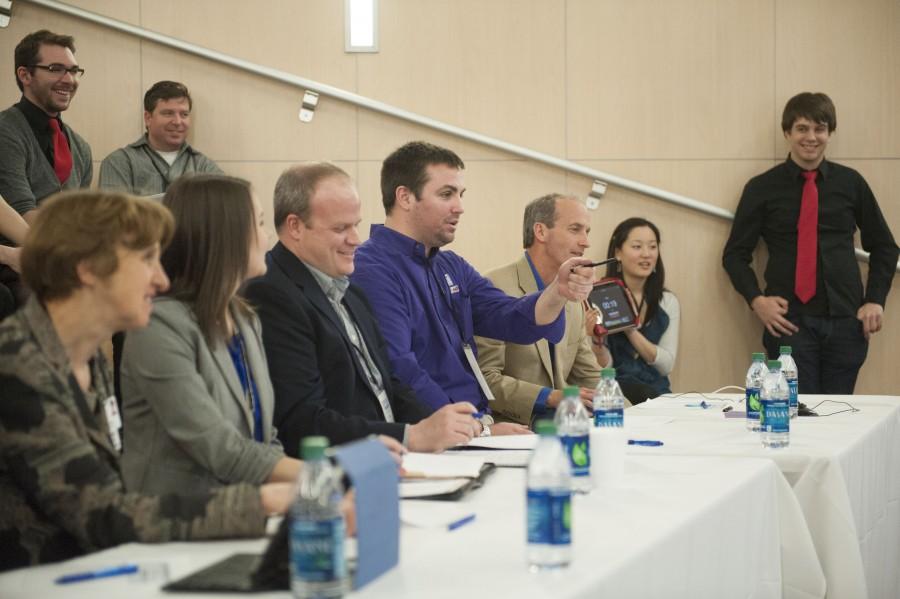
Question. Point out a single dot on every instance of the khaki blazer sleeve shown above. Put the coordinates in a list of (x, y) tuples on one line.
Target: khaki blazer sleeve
[(515, 373)]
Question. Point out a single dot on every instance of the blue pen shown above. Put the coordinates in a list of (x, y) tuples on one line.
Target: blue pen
[(645, 442), (461, 522), (102, 573), (478, 415)]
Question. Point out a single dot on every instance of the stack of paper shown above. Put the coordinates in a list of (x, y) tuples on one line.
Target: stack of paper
[(427, 475), (432, 466)]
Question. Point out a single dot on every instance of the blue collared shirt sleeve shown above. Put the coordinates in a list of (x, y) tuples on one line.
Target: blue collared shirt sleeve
[(387, 295), (540, 404)]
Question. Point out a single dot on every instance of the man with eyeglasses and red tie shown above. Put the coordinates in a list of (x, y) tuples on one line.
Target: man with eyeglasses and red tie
[(39, 154)]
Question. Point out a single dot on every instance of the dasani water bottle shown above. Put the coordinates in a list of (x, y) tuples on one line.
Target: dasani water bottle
[(775, 413), (755, 375), (318, 569), (573, 426), (549, 502), (789, 368)]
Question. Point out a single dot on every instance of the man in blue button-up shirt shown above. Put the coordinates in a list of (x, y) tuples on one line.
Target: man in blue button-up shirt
[(431, 303)]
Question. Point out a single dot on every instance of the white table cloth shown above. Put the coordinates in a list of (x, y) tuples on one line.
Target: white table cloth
[(692, 527), (844, 469)]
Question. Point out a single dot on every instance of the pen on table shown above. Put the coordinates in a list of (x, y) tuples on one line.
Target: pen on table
[(101, 573), (645, 442), (461, 522)]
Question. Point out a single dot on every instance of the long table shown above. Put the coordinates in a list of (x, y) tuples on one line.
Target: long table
[(692, 527), (844, 470)]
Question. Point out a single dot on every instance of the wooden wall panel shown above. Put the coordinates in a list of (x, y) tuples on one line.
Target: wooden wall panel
[(685, 95), (851, 51), (658, 79), (304, 37), (495, 67), (242, 117)]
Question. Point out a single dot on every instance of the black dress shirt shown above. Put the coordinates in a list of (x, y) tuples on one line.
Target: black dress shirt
[(40, 125), (769, 208)]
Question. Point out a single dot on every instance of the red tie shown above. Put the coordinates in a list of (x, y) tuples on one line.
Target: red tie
[(807, 233), (62, 156)]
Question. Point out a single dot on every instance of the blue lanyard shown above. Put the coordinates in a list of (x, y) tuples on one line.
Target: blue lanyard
[(238, 356)]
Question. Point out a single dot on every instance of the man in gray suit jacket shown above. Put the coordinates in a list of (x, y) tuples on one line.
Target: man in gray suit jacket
[(527, 380)]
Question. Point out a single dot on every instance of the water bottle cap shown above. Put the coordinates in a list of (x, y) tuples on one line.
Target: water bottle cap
[(758, 356), (313, 448), (785, 349), (571, 391), (608, 373), (774, 364), (545, 428)]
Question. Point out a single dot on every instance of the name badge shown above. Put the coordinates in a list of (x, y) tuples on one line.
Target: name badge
[(454, 288), (476, 370), (113, 421)]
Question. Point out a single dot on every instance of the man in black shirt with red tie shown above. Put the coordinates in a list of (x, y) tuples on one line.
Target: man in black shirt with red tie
[(807, 210), (39, 154)]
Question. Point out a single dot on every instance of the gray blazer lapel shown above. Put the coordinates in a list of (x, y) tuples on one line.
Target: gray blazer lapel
[(223, 360), (256, 358)]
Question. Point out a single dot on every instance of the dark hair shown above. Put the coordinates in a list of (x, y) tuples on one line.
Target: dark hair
[(296, 186), (207, 259), (166, 90), (541, 210), (405, 167), (816, 107), (28, 51), (87, 226), (656, 282)]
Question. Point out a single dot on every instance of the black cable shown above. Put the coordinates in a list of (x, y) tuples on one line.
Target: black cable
[(851, 407)]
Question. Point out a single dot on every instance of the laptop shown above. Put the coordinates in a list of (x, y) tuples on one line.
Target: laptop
[(244, 572)]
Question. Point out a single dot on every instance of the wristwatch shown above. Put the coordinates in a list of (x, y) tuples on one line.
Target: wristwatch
[(485, 430)]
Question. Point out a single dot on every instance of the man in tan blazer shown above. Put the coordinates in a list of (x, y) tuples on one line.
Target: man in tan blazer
[(527, 380)]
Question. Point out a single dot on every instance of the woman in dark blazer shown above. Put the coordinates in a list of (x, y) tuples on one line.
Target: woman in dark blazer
[(197, 399)]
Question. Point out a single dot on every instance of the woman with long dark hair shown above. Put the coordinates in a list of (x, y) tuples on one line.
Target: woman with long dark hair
[(197, 399), (643, 357)]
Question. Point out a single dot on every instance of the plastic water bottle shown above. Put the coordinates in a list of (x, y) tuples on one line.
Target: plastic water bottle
[(789, 368), (609, 402), (775, 414), (755, 375), (573, 426), (318, 568), (549, 506)]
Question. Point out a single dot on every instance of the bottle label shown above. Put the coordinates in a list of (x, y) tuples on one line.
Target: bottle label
[(752, 401), (775, 416), (317, 549), (549, 517), (793, 389), (609, 417), (578, 448)]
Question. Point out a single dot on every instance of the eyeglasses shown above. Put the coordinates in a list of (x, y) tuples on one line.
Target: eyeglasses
[(59, 70)]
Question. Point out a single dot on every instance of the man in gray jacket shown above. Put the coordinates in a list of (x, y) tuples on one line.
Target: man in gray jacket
[(149, 165)]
